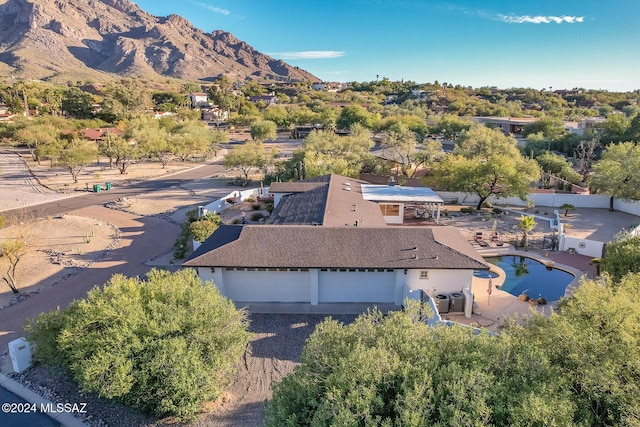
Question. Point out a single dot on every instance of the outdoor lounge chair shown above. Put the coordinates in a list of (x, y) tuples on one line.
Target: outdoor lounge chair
[(496, 239)]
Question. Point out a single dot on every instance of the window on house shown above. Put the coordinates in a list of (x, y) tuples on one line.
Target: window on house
[(390, 210), (424, 274)]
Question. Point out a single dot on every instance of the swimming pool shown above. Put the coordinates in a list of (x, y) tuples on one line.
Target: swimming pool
[(526, 275)]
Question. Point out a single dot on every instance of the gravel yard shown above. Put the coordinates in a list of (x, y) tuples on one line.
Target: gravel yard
[(274, 351)]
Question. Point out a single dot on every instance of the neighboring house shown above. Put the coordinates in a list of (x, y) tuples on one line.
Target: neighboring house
[(267, 99), (326, 243), (161, 114), (318, 86), (4, 108), (198, 99), (215, 114), (97, 134), (508, 125)]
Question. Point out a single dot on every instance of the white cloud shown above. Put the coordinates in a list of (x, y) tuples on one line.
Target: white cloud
[(526, 19), (308, 54), (212, 8)]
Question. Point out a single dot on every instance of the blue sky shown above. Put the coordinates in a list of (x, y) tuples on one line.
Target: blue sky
[(562, 44)]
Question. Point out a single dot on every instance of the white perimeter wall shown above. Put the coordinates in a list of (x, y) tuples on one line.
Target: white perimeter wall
[(597, 201)]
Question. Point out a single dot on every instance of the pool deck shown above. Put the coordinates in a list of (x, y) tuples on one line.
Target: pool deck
[(491, 311)]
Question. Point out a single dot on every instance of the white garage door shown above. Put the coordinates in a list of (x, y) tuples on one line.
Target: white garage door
[(267, 286), (356, 286)]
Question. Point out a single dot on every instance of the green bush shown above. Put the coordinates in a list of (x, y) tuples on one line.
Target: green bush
[(256, 206), (180, 246), (467, 210), (269, 208), (496, 211), (396, 371), (204, 227), (164, 345), (256, 216)]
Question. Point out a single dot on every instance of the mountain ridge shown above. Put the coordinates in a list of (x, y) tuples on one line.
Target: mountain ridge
[(98, 39)]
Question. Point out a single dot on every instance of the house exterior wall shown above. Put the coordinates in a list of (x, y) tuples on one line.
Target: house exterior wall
[(442, 281), (317, 286), (393, 219)]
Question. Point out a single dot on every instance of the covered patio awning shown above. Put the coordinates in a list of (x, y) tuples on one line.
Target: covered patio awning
[(400, 194)]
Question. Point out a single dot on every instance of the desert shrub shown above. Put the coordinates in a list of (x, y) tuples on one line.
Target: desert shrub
[(180, 246), (3, 221), (164, 345), (204, 227), (396, 370), (256, 216), (250, 199), (256, 206), (496, 211), (467, 210), (269, 208)]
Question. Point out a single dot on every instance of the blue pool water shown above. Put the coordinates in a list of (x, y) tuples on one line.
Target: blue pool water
[(531, 277)]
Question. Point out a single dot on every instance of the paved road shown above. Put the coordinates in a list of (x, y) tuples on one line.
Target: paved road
[(31, 419), (93, 199), (142, 238)]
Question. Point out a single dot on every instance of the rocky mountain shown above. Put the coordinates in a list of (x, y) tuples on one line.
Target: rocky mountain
[(96, 39)]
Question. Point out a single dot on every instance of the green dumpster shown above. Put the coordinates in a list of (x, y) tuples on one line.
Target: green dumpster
[(96, 188), (107, 186)]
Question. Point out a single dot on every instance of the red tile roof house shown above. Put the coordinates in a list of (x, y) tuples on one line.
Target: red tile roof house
[(96, 134), (324, 243)]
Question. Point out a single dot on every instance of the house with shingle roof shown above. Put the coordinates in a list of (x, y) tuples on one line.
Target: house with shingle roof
[(326, 243)]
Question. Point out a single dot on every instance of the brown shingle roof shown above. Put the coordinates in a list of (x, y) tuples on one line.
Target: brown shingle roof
[(293, 246), (329, 200)]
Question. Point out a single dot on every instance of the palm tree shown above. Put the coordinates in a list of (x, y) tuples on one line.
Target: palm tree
[(567, 207), (527, 223)]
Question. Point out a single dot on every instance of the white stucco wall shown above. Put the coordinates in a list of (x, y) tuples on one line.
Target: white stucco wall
[(439, 281), (395, 219), (585, 247), (316, 286)]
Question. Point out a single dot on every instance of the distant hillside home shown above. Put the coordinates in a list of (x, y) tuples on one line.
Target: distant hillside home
[(508, 125), (318, 86), (326, 243), (215, 114), (199, 99), (267, 99), (98, 134)]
